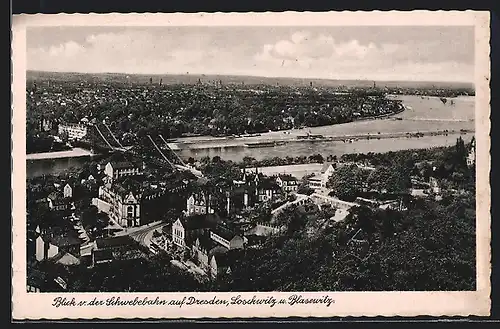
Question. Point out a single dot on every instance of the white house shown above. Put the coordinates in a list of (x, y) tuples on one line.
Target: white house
[(124, 204), (74, 131), (68, 191), (196, 204), (117, 170), (471, 157), (320, 181), (178, 233), (327, 170), (435, 187), (315, 182), (287, 183), (44, 249)]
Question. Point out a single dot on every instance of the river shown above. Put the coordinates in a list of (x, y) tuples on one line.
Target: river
[(422, 114)]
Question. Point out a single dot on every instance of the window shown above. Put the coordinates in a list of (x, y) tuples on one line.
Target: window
[(130, 211)]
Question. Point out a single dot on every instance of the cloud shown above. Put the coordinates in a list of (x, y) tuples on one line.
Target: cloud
[(299, 53), (303, 46), (130, 52), (67, 49), (306, 55)]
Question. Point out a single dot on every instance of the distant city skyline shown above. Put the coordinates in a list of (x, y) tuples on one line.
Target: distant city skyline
[(420, 53)]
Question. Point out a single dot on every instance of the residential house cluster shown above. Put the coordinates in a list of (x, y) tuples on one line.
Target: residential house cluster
[(60, 244), (209, 240), (252, 189), (124, 193), (109, 249)]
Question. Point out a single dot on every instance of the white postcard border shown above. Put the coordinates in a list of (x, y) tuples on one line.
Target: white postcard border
[(39, 305)]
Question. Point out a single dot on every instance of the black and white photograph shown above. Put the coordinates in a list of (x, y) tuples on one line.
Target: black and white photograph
[(249, 159)]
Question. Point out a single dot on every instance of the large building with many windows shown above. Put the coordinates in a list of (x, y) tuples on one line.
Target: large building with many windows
[(124, 203), (119, 169), (74, 131)]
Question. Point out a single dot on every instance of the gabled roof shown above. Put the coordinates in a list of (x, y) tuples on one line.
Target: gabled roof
[(315, 178), (66, 259), (325, 166), (224, 232), (55, 195), (198, 197), (255, 238)]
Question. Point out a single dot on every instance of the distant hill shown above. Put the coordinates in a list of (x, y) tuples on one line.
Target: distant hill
[(234, 79)]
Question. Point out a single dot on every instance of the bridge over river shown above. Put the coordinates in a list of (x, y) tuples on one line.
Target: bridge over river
[(152, 149)]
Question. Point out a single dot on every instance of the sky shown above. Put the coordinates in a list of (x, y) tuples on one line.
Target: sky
[(396, 53)]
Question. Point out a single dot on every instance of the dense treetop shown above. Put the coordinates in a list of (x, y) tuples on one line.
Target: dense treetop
[(174, 110)]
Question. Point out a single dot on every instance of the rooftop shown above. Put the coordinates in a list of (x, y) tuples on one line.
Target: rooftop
[(224, 232), (122, 164), (118, 241), (61, 238), (287, 178), (66, 259), (200, 221), (102, 255), (325, 166)]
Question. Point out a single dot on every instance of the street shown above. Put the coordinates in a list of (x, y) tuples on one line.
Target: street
[(142, 234)]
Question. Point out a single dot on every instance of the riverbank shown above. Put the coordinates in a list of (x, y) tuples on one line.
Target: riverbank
[(269, 136), (73, 153), (273, 141)]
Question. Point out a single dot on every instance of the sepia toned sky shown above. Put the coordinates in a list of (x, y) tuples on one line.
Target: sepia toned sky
[(369, 52)]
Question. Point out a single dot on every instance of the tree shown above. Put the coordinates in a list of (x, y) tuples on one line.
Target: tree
[(304, 188), (344, 182), (460, 159), (248, 161), (316, 158), (89, 217)]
